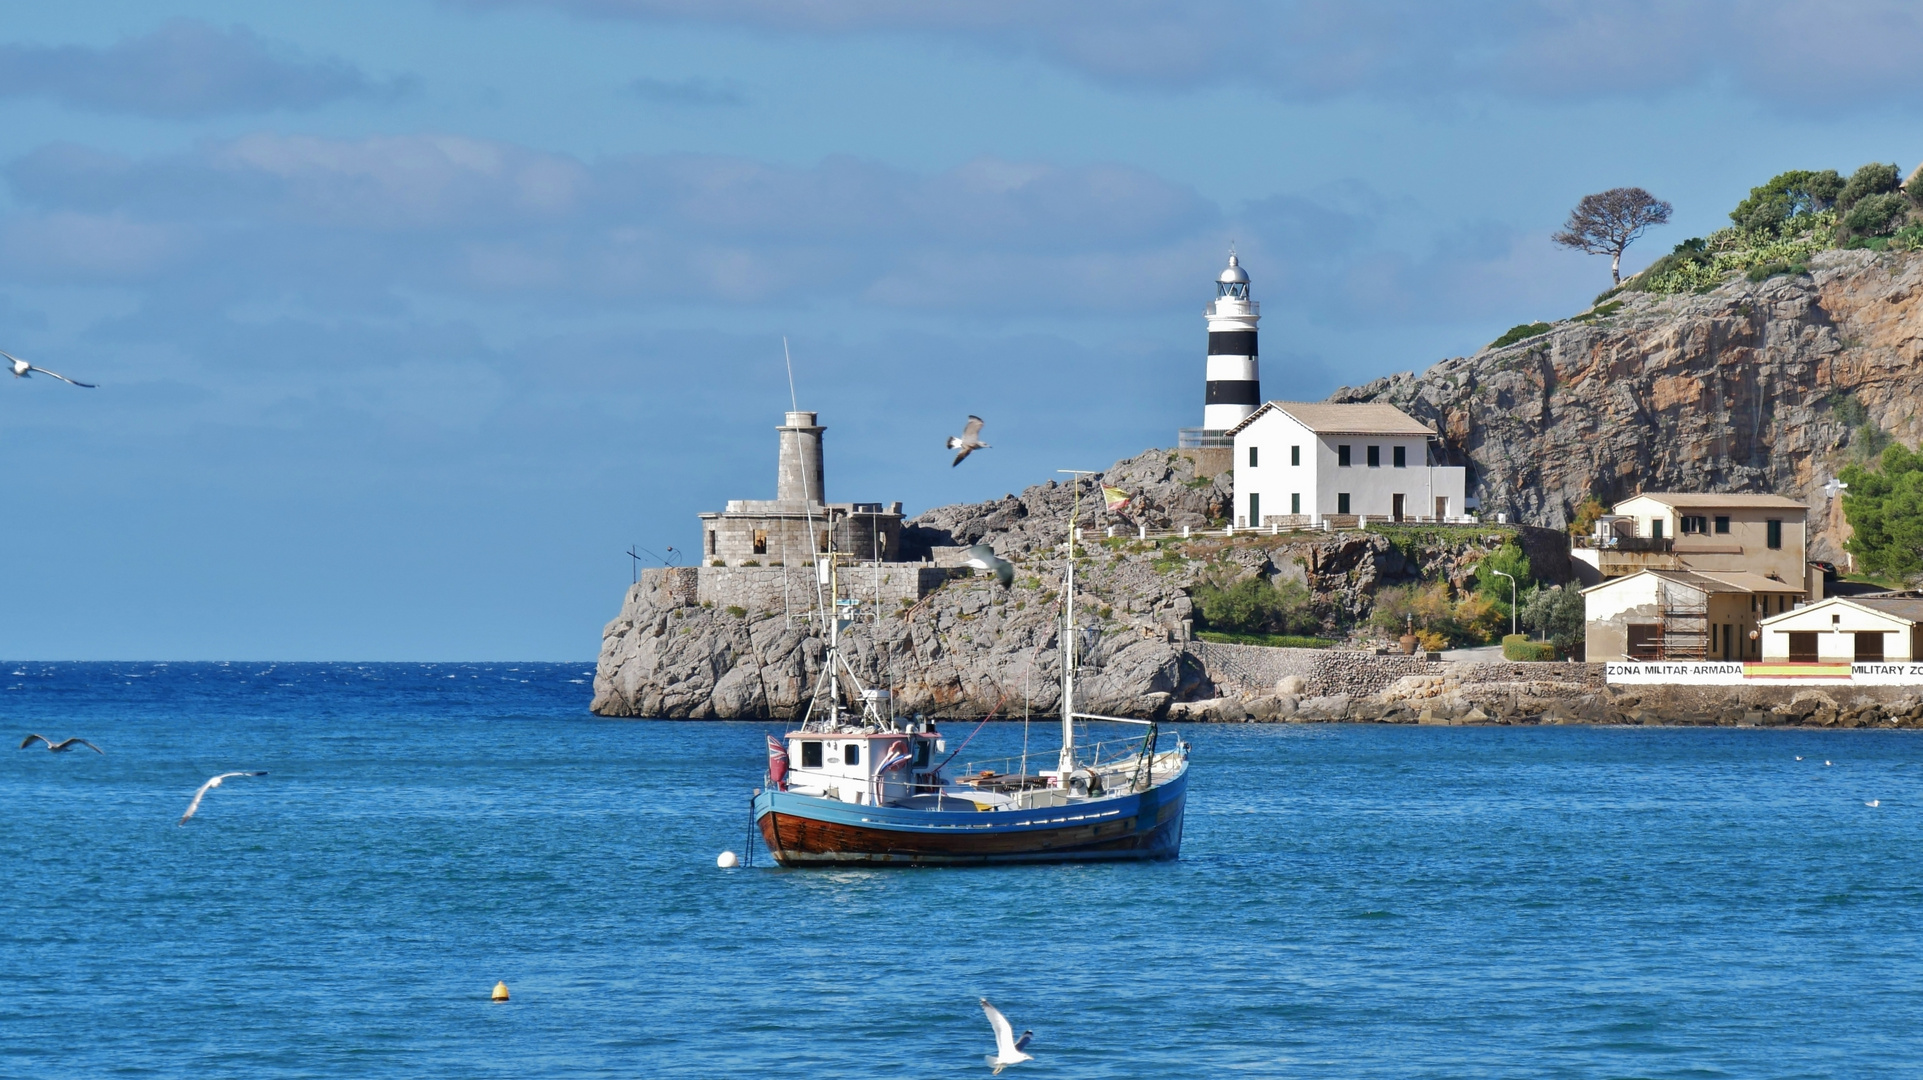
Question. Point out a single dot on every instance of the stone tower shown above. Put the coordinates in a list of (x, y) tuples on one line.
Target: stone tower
[(798, 476)]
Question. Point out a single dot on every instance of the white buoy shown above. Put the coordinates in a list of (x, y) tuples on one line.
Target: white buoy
[(726, 860)]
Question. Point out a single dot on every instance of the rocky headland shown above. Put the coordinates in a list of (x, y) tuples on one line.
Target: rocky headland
[(1766, 386)]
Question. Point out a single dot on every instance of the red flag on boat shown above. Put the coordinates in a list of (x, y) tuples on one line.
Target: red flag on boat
[(777, 763)]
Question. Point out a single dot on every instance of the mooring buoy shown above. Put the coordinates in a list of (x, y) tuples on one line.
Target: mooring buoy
[(500, 991), (726, 860)]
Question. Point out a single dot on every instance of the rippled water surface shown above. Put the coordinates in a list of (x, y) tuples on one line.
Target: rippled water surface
[(1351, 901)]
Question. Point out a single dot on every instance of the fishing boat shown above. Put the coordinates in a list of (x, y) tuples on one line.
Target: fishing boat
[(855, 784)]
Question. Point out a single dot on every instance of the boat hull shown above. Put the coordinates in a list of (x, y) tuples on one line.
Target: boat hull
[(801, 830)]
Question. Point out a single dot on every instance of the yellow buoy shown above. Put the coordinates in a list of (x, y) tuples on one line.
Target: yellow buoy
[(500, 991)]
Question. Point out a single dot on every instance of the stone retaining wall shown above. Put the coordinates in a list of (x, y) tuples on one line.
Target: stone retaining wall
[(775, 590)]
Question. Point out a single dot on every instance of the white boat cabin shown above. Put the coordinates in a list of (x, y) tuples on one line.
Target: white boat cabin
[(868, 768)]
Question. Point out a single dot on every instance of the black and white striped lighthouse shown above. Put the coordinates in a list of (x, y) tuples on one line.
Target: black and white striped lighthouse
[(1235, 383)]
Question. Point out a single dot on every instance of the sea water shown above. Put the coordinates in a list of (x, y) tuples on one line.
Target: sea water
[(1351, 901)]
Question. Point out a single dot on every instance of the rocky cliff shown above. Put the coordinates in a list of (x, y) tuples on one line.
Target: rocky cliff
[(971, 645), (1764, 386), (1753, 386)]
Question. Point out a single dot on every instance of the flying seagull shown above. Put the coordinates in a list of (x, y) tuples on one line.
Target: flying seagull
[(61, 746), (969, 441), (214, 783), (24, 370), (1008, 1049), (983, 557)]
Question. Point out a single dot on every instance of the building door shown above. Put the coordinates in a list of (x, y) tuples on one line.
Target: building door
[(1255, 508), (1728, 632), (1869, 646), (1442, 508), (1645, 641), (1802, 647), (1395, 507)]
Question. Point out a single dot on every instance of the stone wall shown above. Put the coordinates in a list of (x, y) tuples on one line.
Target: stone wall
[(1258, 669), (790, 590)]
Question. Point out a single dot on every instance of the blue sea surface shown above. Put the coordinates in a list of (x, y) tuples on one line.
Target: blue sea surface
[(1351, 901)]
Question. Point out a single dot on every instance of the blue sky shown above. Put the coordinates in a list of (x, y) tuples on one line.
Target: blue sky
[(410, 317)]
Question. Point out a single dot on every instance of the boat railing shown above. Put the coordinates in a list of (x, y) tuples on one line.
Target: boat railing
[(1109, 751)]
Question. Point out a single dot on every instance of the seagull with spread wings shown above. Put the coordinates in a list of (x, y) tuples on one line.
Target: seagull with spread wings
[(208, 786), (969, 441), (62, 746), (24, 370), (1008, 1049)]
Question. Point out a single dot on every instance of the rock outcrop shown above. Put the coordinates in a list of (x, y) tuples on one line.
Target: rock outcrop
[(1744, 388), (971, 646)]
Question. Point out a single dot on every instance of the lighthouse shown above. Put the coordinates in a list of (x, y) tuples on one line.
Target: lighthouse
[(1234, 383)]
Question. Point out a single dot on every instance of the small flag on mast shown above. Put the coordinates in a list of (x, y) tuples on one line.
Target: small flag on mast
[(1117, 499)]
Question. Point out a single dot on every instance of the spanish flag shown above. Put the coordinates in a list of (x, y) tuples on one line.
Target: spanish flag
[(1117, 499)]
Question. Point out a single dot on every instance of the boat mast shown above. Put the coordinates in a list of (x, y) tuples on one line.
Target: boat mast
[(1067, 765)]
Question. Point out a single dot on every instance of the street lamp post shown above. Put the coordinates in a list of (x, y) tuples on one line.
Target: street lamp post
[(1512, 600)]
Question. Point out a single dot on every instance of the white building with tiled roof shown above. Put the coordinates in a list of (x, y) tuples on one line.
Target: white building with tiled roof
[(1301, 463)]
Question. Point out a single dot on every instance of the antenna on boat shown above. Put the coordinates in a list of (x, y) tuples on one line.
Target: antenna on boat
[(1067, 765)]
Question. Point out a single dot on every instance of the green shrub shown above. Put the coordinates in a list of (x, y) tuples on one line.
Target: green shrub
[(751, 562), (1847, 410), (737, 611), (1556, 614), (1600, 311), (1519, 647), (1877, 215), (1521, 332), (1914, 189), (1253, 606), (1275, 641), (1884, 506), (1908, 238), (1788, 195), (1872, 179), (1765, 271)]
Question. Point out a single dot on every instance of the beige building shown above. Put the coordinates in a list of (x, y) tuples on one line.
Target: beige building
[(1863, 629), (1682, 615), (1700, 532)]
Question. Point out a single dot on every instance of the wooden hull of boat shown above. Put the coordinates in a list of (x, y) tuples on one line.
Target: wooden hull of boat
[(805, 831)]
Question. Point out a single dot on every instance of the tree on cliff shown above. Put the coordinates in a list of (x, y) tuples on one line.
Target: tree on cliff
[(1607, 222), (1885, 510), (1787, 195)]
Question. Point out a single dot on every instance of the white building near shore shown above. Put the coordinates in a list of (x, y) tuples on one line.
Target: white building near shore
[(1298, 463)]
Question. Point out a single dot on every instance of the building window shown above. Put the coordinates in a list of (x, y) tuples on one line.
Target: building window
[(1342, 455), (1655, 528), (851, 754), (711, 541), (821, 540), (1295, 503), (1694, 523), (811, 755), (1342, 502), (1401, 457), (1722, 525), (1251, 457), (1775, 537), (1255, 511), (761, 541), (1375, 457), (1295, 455)]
